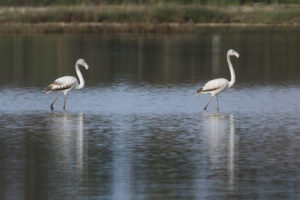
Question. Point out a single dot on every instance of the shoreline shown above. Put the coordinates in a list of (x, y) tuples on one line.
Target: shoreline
[(144, 19), (92, 27)]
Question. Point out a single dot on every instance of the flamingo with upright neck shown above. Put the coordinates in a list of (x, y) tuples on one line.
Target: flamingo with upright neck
[(216, 86), (66, 83)]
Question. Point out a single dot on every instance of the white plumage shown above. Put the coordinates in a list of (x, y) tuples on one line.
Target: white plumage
[(67, 83), (216, 86), (62, 83)]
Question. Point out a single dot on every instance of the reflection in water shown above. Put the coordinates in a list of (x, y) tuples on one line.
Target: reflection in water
[(219, 131), (215, 59), (231, 153), (143, 134), (162, 156), (121, 166), (140, 59), (41, 155), (68, 138), (150, 59), (80, 148), (12, 166)]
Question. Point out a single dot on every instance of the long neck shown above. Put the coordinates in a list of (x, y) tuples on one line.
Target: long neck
[(81, 80), (232, 74)]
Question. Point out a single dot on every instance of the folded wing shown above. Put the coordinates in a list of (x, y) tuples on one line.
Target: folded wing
[(62, 83)]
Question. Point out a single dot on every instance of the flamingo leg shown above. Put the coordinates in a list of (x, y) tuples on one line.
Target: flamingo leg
[(65, 102), (217, 102), (51, 106), (208, 102)]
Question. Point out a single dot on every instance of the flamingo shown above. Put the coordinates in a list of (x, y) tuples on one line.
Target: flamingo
[(216, 86), (66, 83)]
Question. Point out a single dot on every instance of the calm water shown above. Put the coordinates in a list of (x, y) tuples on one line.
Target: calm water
[(138, 131)]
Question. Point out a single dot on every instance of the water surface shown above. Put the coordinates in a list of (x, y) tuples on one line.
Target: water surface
[(138, 131)]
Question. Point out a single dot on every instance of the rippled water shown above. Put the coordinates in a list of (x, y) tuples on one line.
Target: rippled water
[(138, 131)]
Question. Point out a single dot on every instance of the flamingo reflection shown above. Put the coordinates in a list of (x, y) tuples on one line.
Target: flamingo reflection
[(66, 167), (220, 139)]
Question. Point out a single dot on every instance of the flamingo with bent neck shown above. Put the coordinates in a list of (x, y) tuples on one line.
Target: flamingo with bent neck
[(216, 86), (66, 83)]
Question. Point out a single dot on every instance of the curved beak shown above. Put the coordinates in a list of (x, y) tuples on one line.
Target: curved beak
[(86, 66), (237, 54)]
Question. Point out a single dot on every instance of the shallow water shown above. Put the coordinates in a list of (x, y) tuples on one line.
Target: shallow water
[(138, 131)]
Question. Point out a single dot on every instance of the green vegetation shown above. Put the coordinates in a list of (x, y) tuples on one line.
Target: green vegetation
[(148, 2), (145, 18), (274, 14)]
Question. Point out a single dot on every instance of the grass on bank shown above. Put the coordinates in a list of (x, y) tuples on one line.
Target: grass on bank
[(143, 2), (274, 14), (141, 19)]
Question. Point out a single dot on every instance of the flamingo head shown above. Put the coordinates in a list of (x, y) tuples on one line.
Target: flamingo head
[(232, 52), (81, 62)]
